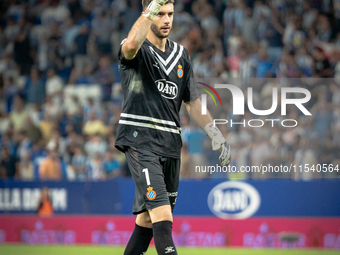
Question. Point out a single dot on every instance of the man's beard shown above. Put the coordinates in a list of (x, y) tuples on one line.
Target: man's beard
[(157, 31)]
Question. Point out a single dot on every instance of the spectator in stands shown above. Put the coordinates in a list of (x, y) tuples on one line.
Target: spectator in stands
[(131, 14), (35, 88), (105, 77), (37, 152), (322, 119), (185, 162), (8, 142), (57, 143), (24, 144), (80, 48), (33, 132), (248, 27), (324, 29), (22, 51), (69, 32), (72, 106), (54, 85), (111, 166), (95, 168), (19, 115), (10, 91), (36, 114), (26, 169), (288, 67), (91, 107), (52, 107), (8, 67), (102, 27), (260, 151), (95, 145), (55, 12), (322, 67), (9, 164), (78, 164), (304, 62), (309, 16), (305, 155), (5, 124), (84, 76), (46, 126), (264, 64), (274, 35), (94, 126), (12, 29), (50, 168)]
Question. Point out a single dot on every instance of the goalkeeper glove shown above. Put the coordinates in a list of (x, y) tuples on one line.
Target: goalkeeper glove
[(153, 9), (218, 143)]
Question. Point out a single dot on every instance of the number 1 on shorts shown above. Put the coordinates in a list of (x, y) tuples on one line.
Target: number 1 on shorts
[(146, 171)]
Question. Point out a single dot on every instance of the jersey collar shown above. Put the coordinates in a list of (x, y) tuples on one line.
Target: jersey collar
[(168, 46)]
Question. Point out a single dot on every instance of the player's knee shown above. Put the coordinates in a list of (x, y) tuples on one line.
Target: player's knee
[(147, 220), (144, 220), (162, 213)]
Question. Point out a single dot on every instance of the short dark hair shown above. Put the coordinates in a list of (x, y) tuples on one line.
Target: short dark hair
[(146, 3)]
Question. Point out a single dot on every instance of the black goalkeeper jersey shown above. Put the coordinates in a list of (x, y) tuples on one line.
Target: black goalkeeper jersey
[(154, 85)]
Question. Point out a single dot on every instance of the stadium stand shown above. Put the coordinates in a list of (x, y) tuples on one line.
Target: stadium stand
[(60, 87)]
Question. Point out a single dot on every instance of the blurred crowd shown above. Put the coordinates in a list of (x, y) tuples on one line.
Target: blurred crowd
[(60, 93)]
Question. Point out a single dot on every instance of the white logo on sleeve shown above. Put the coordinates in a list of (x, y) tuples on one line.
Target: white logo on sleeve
[(169, 249)]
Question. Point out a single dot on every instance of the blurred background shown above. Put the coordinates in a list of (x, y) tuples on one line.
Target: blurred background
[(61, 98)]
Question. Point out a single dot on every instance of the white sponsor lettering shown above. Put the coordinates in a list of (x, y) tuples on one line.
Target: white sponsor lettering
[(41, 236), (59, 199), (332, 241), (26, 199), (110, 236), (2, 236), (267, 239), (186, 237), (168, 89)]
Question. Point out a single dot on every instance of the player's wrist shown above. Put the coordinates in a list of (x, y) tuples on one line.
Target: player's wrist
[(217, 139), (212, 131), (152, 10)]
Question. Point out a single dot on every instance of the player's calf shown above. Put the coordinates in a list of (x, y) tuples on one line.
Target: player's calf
[(139, 241), (164, 243), (161, 218)]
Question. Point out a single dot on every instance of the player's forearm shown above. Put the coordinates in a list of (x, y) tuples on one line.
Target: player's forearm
[(136, 37), (205, 122), (194, 109)]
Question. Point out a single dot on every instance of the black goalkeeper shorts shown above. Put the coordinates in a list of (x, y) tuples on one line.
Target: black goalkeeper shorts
[(156, 179)]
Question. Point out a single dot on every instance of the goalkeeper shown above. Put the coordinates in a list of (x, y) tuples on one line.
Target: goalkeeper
[(156, 78)]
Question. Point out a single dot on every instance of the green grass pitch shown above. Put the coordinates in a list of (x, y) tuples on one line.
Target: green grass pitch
[(108, 250)]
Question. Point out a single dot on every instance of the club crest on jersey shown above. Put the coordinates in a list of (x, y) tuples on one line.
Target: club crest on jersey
[(167, 89), (151, 194), (180, 71)]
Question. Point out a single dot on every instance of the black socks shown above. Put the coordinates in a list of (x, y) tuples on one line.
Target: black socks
[(162, 233), (141, 238), (139, 241)]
